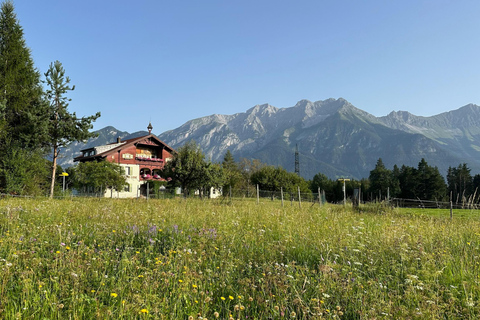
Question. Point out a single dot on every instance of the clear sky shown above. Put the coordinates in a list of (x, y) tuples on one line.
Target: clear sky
[(172, 61)]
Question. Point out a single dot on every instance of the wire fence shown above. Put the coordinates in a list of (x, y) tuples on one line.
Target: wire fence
[(255, 194)]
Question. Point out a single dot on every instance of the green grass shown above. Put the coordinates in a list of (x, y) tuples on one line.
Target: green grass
[(177, 259)]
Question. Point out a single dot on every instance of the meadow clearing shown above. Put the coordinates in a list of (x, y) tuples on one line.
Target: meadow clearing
[(194, 259)]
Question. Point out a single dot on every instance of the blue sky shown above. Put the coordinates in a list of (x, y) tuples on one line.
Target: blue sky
[(172, 61)]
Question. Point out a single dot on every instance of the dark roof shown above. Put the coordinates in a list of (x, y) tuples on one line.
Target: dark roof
[(124, 144)]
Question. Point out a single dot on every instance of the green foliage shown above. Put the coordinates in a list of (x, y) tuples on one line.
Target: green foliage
[(23, 172), (63, 126), (189, 170), (20, 86), (22, 112), (460, 181), (97, 176), (271, 178), (233, 175), (380, 180), (431, 185)]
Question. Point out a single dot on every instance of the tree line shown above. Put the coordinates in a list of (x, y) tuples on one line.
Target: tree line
[(191, 171), (34, 119)]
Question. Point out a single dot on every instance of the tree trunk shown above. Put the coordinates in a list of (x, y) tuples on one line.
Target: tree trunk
[(54, 169)]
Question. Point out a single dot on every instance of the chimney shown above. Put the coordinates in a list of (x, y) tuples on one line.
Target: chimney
[(119, 140)]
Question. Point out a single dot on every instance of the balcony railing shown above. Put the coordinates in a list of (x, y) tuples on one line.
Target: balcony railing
[(149, 159), (153, 177)]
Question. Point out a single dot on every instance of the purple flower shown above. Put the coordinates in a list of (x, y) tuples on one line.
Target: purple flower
[(153, 229)]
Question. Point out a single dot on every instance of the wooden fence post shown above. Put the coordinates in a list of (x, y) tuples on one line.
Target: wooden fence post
[(281, 194), (299, 198), (319, 198)]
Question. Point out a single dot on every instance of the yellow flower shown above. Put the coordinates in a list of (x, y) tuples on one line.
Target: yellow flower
[(113, 294), (194, 285), (140, 276), (58, 251), (239, 297), (230, 297), (180, 280), (222, 298), (114, 231), (92, 291), (144, 311), (67, 247)]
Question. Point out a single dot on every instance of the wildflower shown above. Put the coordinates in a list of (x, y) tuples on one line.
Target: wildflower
[(58, 252), (114, 231), (194, 285), (222, 298), (293, 314), (67, 247), (92, 291), (144, 311), (216, 314), (239, 297), (180, 280), (230, 297), (190, 318), (140, 276), (113, 294), (250, 299)]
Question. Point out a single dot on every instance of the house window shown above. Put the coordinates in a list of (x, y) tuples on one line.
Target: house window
[(127, 171), (127, 188)]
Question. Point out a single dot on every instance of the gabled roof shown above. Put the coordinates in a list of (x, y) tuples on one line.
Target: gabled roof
[(122, 145)]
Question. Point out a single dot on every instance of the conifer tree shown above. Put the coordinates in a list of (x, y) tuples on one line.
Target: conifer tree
[(63, 127), (22, 112), (20, 86)]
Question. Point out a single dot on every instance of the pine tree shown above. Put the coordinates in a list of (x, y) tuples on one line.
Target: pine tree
[(380, 179), (22, 112), (64, 127), (20, 86)]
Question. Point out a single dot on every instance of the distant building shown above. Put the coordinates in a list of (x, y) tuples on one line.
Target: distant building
[(142, 158)]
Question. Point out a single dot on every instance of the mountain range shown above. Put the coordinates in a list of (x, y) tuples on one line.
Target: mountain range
[(333, 137)]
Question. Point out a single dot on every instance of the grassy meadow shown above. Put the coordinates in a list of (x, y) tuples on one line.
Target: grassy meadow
[(194, 259)]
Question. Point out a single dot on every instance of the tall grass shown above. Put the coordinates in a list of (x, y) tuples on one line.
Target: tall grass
[(193, 259)]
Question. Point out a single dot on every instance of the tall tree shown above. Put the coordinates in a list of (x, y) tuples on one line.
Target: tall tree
[(22, 111), (460, 181), (380, 179), (231, 171), (20, 85), (64, 127)]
